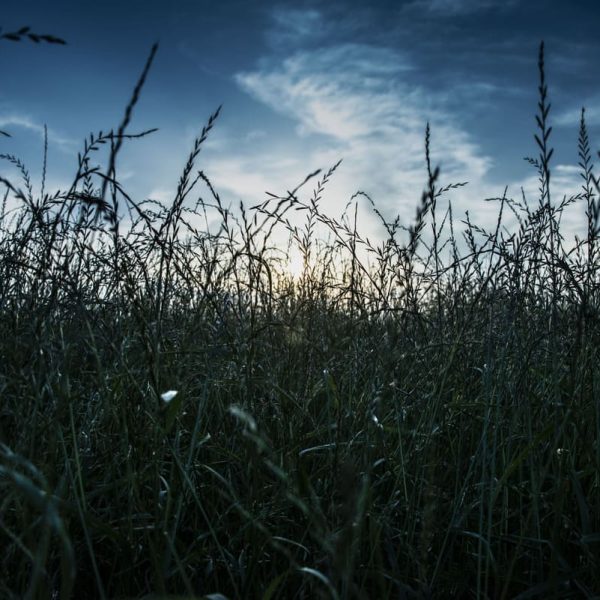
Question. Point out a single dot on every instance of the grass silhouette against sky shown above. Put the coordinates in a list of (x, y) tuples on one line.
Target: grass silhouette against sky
[(303, 85)]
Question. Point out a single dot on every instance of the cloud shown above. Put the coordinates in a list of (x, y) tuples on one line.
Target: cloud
[(321, 88), (297, 25), (255, 134), (354, 101), (305, 27), (363, 102), (9, 121), (242, 178), (572, 117), (444, 8)]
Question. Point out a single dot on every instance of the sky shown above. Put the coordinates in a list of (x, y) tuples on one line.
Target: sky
[(303, 85)]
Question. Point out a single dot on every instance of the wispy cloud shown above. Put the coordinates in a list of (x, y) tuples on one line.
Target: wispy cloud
[(367, 102), (255, 134), (572, 117), (354, 101), (13, 120), (325, 90), (444, 8), (297, 25)]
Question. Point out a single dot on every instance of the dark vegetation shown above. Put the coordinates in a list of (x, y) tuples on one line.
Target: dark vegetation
[(408, 419)]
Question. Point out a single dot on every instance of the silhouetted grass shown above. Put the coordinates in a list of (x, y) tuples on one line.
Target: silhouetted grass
[(412, 418)]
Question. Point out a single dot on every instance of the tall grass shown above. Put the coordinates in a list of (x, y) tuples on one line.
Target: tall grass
[(409, 419)]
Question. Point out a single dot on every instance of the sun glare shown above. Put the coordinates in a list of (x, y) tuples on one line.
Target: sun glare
[(295, 262)]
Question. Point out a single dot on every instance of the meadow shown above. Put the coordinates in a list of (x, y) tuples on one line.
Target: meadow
[(417, 417)]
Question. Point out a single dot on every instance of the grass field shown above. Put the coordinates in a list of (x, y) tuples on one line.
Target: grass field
[(413, 418)]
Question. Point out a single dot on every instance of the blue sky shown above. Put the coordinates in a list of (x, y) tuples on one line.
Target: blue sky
[(304, 84)]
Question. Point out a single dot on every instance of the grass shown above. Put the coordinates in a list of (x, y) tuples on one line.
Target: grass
[(417, 418)]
